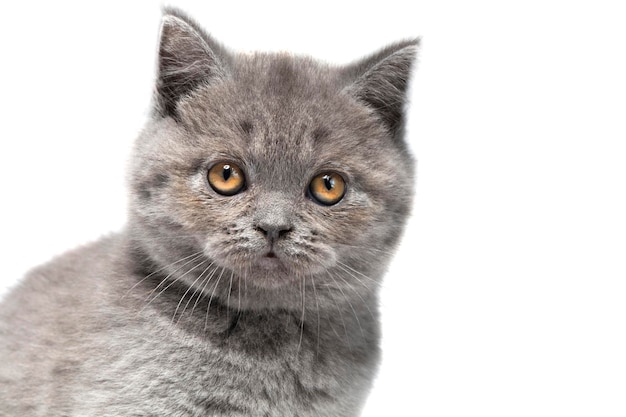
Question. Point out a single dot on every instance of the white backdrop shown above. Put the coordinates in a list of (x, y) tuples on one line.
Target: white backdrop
[(507, 297)]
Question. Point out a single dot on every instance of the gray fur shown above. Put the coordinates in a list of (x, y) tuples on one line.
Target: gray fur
[(181, 314)]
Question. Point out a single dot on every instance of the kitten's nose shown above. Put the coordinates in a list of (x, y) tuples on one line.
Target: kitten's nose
[(273, 231), (274, 216)]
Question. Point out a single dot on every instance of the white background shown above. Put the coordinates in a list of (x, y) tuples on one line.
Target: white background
[(507, 297)]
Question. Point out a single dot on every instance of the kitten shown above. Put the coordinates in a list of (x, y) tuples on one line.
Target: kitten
[(267, 194)]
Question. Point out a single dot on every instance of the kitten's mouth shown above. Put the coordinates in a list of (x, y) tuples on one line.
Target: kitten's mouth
[(271, 261)]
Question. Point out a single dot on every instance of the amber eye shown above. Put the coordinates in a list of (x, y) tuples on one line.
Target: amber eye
[(226, 178), (327, 188)]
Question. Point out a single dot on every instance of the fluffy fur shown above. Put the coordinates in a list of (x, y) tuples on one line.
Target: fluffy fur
[(183, 313)]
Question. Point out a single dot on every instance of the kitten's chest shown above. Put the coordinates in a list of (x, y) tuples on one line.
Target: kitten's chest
[(250, 367), (267, 368)]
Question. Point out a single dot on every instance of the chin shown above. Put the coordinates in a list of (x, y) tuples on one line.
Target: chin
[(276, 271), (272, 273)]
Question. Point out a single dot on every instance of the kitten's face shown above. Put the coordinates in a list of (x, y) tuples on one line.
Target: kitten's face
[(274, 171)]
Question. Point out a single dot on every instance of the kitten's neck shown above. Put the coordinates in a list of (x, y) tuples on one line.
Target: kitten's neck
[(227, 304)]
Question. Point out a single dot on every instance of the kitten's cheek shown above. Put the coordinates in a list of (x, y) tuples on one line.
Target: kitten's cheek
[(232, 252), (211, 251)]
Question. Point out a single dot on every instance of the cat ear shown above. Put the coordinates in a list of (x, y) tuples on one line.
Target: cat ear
[(381, 82), (188, 57)]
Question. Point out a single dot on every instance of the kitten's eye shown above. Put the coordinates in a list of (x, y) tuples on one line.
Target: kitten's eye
[(226, 178), (327, 188)]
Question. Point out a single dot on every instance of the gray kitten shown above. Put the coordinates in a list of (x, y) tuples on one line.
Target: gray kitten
[(267, 194)]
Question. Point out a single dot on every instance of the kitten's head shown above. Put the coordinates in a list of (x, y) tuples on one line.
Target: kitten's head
[(272, 166)]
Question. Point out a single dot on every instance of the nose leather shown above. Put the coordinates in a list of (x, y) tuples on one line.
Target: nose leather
[(274, 216)]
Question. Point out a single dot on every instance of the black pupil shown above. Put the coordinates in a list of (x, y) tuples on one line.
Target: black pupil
[(329, 182), (227, 172)]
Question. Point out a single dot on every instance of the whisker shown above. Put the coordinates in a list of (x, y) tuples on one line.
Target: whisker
[(357, 272), (206, 319), (239, 292), (356, 316), (356, 292), (343, 321), (171, 283), (317, 303), (170, 237), (302, 286), (161, 269), (230, 289), (186, 292), (197, 290), (206, 283), (366, 248), (349, 272), (195, 258)]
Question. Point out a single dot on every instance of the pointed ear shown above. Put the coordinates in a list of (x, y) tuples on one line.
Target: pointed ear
[(381, 82), (187, 58)]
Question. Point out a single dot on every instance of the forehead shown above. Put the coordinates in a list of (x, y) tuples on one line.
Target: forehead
[(285, 96), (271, 88), (279, 110)]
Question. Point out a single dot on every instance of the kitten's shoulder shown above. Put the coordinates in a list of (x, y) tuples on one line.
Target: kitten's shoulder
[(69, 277), (44, 318)]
